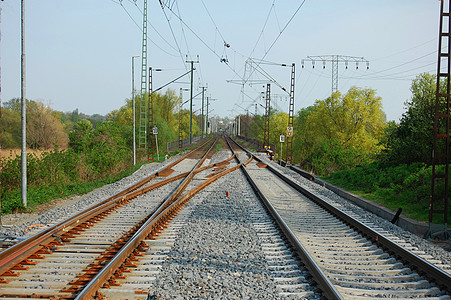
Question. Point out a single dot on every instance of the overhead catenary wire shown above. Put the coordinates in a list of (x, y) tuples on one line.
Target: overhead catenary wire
[(153, 27), (139, 27), (281, 31), (172, 32), (214, 23)]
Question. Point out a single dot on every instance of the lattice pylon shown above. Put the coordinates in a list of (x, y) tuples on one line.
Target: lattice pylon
[(267, 116), (439, 200), (142, 129), (289, 155)]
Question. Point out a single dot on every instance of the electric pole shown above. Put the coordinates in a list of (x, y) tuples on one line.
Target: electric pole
[(142, 137), (0, 108), (207, 116), (23, 109), (439, 199), (267, 116), (191, 98), (202, 120), (335, 59), (290, 127)]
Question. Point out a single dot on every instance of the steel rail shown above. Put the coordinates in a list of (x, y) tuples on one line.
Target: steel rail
[(22, 250), (319, 276), (422, 266), (171, 204)]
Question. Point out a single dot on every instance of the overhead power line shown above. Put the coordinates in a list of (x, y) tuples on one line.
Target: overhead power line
[(335, 59)]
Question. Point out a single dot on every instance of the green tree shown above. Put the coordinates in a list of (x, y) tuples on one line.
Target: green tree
[(350, 124), (81, 135), (412, 140), (11, 129)]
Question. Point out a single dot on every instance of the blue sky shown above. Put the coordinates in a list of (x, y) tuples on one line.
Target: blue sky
[(78, 53)]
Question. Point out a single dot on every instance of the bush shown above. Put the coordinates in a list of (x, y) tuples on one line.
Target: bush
[(97, 154), (406, 186), (330, 156)]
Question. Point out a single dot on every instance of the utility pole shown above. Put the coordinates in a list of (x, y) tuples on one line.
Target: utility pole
[(439, 199), (289, 134), (150, 123), (207, 116), (142, 137), (267, 116), (202, 125), (24, 109), (134, 114), (0, 109), (180, 118), (191, 98), (335, 59)]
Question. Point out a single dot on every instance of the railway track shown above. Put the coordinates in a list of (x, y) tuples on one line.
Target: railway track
[(215, 245), (60, 261), (359, 261)]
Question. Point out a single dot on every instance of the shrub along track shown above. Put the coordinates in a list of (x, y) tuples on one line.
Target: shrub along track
[(61, 260), (357, 260)]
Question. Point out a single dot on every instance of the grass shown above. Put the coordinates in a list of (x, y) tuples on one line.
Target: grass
[(37, 195), (403, 186)]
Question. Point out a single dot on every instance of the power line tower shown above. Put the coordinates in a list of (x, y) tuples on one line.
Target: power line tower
[(335, 59), (142, 137), (439, 201), (267, 116), (289, 155)]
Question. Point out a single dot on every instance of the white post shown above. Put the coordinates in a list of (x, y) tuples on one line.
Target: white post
[(156, 141), (24, 111), (133, 101), (281, 150)]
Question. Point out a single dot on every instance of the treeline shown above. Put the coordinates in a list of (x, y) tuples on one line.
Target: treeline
[(46, 128), (347, 139), (349, 130), (80, 152)]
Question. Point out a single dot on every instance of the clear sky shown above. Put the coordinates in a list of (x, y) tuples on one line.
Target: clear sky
[(78, 53)]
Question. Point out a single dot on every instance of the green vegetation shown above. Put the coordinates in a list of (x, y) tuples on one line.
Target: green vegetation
[(39, 194), (79, 152), (218, 146), (401, 174), (346, 139), (406, 186)]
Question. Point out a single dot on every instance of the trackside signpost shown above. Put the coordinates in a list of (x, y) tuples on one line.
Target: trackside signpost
[(282, 140), (155, 133)]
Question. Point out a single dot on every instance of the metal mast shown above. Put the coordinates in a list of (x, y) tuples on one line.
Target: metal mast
[(191, 98), (0, 108), (180, 118), (142, 137), (289, 155), (267, 116), (23, 111), (335, 59), (150, 124), (440, 154)]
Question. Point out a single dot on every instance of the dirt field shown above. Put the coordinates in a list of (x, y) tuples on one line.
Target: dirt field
[(11, 153)]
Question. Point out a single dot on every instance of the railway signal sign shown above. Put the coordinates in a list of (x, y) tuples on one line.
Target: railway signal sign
[(155, 130), (282, 138), (289, 131)]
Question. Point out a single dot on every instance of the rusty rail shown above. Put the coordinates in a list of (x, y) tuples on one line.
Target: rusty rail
[(21, 251), (170, 206)]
